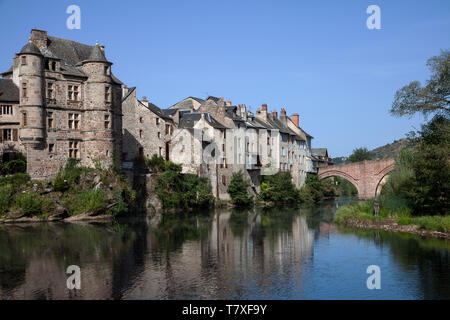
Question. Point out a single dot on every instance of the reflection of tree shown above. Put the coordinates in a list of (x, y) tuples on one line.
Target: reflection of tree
[(175, 229), (430, 255), (238, 222)]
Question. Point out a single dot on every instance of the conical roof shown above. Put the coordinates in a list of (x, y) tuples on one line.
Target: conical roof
[(30, 48), (97, 54)]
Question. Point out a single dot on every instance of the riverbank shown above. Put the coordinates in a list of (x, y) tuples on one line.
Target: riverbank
[(361, 216)]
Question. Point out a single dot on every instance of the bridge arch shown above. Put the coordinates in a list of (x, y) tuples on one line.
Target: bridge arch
[(341, 174), (382, 174), (365, 175)]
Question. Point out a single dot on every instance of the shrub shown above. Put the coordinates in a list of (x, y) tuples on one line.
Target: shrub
[(29, 203), (15, 180), (14, 166), (278, 188), (5, 198), (238, 190), (156, 163), (69, 175), (89, 200)]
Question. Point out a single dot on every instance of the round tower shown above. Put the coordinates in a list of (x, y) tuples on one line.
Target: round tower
[(98, 103), (31, 87)]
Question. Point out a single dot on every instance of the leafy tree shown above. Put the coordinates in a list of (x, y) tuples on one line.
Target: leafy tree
[(360, 154), (238, 190), (278, 188), (433, 98), (432, 168)]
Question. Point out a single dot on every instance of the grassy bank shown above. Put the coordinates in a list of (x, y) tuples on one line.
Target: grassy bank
[(75, 191), (393, 213)]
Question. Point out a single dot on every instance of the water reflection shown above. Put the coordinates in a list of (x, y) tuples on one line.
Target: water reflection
[(227, 254)]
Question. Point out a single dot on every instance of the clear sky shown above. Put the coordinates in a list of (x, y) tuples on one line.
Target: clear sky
[(316, 58)]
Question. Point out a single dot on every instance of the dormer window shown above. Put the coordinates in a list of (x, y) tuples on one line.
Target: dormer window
[(106, 70), (53, 65), (23, 60)]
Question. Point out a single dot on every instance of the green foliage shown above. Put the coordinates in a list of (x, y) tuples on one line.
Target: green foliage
[(278, 188), (69, 175), (6, 193), (16, 165), (89, 200), (360, 154), (238, 190), (29, 203), (181, 191), (156, 163), (15, 180), (422, 175), (345, 187), (430, 99)]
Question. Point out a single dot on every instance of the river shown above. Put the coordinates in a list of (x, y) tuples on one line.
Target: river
[(278, 253)]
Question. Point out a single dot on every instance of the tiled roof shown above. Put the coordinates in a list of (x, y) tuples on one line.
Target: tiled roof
[(9, 92)]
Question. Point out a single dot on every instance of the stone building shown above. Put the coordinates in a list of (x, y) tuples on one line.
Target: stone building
[(60, 100), (146, 129), (321, 158)]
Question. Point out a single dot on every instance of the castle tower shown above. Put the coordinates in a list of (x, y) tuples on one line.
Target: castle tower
[(99, 111), (31, 88)]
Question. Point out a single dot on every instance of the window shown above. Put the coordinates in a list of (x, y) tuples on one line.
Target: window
[(167, 129), (24, 119), (7, 134), (74, 151), (141, 120), (73, 92), (50, 119), (47, 64), (50, 90), (160, 151), (74, 121), (108, 94), (157, 121), (224, 180), (23, 60), (106, 70), (141, 133), (6, 109), (159, 135), (54, 65), (51, 147), (107, 121), (24, 90)]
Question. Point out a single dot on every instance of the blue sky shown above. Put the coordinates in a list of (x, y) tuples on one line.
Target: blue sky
[(316, 58)]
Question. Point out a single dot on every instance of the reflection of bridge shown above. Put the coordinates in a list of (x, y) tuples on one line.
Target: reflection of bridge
[(365, 175)]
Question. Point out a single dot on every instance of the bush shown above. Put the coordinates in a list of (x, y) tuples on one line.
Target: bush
[(89, 200), (181, 191), (156, 163), (29, 203), (6, 193), (69, 175), (237, 189), (278, 188), (15, 180)]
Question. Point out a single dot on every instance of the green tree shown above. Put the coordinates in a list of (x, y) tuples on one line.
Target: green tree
[(433, 98), (278, 188), (360, 154), (238, 190)]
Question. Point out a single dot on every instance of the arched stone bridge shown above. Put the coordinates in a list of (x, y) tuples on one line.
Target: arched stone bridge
[(365, 175)]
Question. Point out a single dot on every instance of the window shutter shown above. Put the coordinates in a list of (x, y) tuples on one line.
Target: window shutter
[(15, 134)]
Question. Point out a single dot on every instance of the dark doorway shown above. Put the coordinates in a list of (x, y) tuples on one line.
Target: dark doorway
[(167, 150)]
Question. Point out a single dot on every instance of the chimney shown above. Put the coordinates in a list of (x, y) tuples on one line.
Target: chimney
[(275, 114), (228, 103), (39, 37), (144, 99), (264, 107), (295, 119), (125, 90), (283, 111)]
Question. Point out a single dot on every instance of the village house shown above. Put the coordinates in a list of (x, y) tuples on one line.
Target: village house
[(146, 129), (60, 100)]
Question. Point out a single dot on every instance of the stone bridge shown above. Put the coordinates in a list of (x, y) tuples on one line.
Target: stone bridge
[(365, 175)]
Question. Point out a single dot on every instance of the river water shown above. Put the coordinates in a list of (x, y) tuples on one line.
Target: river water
[(277, 253)]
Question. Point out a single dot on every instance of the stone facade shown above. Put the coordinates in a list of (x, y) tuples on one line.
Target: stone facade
[(68, 105), (146, 130)]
